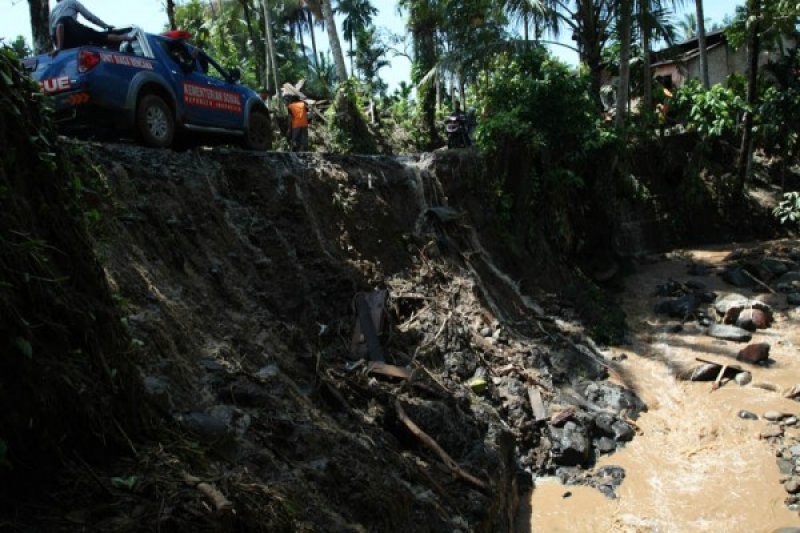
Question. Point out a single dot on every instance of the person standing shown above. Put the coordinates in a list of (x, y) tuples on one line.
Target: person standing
[(298, 126), (67, 32)]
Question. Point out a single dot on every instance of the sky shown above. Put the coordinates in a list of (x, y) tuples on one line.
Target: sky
[(150, 15)]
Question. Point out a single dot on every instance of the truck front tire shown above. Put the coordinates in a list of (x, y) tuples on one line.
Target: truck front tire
[(155, 124), (258, 135)]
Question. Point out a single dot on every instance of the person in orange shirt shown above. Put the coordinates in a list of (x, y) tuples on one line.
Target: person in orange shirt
[(298, 126)]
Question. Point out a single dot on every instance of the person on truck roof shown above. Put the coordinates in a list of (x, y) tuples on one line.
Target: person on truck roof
[(67, 32)]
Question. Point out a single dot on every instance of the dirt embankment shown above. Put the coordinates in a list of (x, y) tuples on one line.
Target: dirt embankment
[(236, 275)]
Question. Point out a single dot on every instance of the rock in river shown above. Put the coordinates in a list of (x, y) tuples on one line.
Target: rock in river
[(570, 444), (729, 333), (753, 319), (754, 353)]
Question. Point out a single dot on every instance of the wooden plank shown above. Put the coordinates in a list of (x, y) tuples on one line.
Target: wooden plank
[(537, 404), (388, 370)]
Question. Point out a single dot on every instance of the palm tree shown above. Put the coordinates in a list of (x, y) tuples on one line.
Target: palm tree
[(625, 9), (270, 46), (688, 26), (40, 25), (424, 18), (701, 43), (357, 18), (653, 20), (333, 39)]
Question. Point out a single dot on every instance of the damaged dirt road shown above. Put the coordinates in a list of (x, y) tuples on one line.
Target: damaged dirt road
[(706, 459)]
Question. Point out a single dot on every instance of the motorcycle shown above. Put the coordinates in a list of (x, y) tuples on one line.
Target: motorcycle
[(456, 128)]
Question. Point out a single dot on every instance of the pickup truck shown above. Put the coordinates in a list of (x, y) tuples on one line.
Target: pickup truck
[(157, 86)]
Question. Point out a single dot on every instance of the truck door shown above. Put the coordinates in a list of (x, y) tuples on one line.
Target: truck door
[(208, 98)]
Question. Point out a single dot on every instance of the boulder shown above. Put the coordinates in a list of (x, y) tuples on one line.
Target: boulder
[(774, 416), (752, 319), (792, 485), (736, 276), (605, 445), (793, 298), (788, 282), (679, 307), (728, 301), (754, 353), (704, 372), (729, 333), (775, 267), (623, 432), (570, 444)]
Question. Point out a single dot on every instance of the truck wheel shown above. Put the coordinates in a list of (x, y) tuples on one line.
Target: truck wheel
[(154, 121), (258, 135)]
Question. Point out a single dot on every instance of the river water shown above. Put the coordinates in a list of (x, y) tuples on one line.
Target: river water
[(696, 466)]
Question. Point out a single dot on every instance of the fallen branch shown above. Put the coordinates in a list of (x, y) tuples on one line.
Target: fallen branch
[(221, 503), (430, 443), (764, 285)]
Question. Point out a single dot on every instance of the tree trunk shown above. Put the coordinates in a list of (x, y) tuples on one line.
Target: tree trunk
[(270, 44), (333, 41), (40, 26), (753, 49), (352, 55), (624, 62), (647, 75), (171, 14), (701, 43), (313, 40), (302, 43), (251, 32), (525, 28)]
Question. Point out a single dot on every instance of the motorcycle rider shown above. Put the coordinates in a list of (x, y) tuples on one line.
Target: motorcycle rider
[(456, 127)]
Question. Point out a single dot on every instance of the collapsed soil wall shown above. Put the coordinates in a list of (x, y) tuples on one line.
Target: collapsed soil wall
[(237, 273)]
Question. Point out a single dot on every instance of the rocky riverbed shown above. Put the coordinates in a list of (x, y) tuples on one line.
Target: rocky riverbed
[(713, 353)]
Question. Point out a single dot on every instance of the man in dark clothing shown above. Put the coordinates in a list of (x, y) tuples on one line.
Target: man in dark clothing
[(67, 32)]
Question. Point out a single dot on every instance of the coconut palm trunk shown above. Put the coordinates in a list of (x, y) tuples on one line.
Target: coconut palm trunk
[(701, 44), (624, 62), (40, 25), (333, 41), (753, 49), (270, 44), (313, 40), (647, 75)]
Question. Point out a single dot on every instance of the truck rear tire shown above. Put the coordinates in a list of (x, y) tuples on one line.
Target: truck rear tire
[(258, 135), (155, 124)]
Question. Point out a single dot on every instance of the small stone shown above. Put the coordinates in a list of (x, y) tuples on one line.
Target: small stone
[(792, 486), (566, 494), (754, 353), (793, 298), (771, 431), (795, 450), (486, 332), (791, 421), (774, 416), (743, 378), (747, 415)]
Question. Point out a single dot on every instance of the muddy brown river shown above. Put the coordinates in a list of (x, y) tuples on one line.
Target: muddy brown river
[(696, 466)]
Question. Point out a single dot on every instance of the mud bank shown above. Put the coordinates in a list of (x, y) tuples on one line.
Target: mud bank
[(236, 275)]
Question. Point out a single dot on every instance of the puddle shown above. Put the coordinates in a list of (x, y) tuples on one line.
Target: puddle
[(697, 466)]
